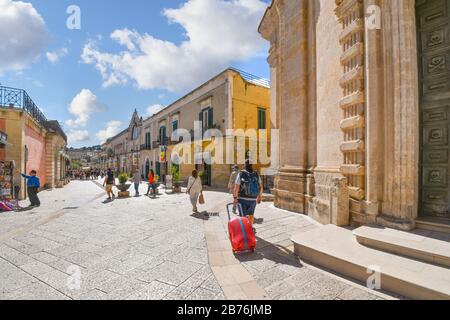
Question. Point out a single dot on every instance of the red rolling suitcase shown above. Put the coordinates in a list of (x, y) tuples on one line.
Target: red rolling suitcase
[(241, 232)]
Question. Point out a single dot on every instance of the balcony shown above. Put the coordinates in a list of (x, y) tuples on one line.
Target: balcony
[(155, 145), (18, 98), (146, 147)]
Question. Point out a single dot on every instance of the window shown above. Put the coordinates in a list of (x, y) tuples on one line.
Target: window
[(262, 119), (207, 119), (162, 136), (135, 135), (148, 140), (174, 126)]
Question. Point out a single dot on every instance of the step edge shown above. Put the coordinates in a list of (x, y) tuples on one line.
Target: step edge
[(427, 293), (408, 252), (437, 281)]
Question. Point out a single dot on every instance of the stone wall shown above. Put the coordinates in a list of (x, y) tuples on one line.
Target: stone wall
[(346, 103)]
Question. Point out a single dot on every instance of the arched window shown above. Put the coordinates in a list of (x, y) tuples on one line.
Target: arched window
[(135, 134)]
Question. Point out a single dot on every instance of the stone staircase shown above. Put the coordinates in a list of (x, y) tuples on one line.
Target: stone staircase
[(410, 264)]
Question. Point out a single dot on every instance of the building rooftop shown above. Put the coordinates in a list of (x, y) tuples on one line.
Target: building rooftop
[(19, 99)]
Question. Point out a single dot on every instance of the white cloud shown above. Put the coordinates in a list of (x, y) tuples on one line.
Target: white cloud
[(218, 33), (151, 110), (112, 128), (82, 106), (54, 56), (78, 136), (23, 35)]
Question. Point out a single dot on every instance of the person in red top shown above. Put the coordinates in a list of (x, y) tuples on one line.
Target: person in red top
[(151, 182)]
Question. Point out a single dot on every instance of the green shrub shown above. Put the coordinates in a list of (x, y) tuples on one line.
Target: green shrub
[(123, 178), (203, 177), (176, 177)]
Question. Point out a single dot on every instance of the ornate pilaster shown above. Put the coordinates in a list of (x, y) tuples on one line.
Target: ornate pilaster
[(353, 104), (401, 120)]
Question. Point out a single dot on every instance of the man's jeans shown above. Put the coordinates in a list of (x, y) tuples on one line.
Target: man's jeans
[(136, 188), (32, 195)]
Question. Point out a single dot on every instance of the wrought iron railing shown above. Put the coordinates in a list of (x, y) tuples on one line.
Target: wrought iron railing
[(18, 98), (146, 147), (252, 78)]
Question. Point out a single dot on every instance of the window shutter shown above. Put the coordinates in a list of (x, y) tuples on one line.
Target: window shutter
[(210, 118)]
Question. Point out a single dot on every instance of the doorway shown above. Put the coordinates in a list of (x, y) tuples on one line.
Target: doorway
[(433, 35)]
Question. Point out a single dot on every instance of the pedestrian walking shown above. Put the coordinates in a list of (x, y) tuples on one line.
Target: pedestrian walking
[(232, 181), (137, 181), (109, 183), (151, 183), (248, 191), (33, 185), (194, 189)]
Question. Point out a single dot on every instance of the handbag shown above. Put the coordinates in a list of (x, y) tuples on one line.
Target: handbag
[(201, 199)]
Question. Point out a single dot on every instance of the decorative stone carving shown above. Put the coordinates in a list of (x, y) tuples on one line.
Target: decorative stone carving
[(351, 16), (340, 212)]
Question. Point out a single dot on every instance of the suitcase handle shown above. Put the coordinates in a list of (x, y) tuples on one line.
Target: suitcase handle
[(240, 210)]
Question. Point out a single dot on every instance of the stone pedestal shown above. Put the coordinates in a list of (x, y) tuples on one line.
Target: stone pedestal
[(125, 194), (290, 186)]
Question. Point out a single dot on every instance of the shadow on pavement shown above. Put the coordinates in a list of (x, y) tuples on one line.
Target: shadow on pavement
[(24, 209), (269, 251), (259, 220), (204, 215)]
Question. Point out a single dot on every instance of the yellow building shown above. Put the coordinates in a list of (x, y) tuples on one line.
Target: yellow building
[(230, 103)]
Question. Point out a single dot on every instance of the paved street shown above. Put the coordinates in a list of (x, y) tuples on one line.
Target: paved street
[(79, 246)]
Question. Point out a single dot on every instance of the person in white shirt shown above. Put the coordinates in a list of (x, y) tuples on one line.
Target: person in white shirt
[(194, 189)]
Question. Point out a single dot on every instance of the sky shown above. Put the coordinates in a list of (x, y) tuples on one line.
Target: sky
[(90, 63)]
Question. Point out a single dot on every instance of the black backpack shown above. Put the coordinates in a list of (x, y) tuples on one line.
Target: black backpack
[(250, 187)]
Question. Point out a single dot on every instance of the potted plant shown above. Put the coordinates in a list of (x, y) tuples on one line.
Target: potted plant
[(203, 177), (156, 184), (123, 186), (176, 179)]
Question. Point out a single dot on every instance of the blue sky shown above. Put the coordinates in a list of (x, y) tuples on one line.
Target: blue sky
[(92, 81)]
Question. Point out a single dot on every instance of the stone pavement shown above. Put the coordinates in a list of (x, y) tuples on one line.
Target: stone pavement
[(79, 246)]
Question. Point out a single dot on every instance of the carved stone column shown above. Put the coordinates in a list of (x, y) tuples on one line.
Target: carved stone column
[(401, 115), (292, 96)]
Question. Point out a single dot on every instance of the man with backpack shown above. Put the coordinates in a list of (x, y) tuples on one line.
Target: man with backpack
[(109, 183), (248, 191)]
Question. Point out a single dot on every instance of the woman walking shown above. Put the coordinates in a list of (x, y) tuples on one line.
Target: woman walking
[(137, 181), (109, 182), (151, 182), (194, 189)]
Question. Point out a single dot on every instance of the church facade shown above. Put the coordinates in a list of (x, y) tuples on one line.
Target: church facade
[(360, 95)]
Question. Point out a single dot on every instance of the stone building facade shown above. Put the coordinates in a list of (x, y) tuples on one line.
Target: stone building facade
[(361, 95), (121, 152), (34, 143), (231, 100)]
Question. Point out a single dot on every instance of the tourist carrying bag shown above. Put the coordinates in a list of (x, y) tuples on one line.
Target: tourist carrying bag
[(189, 190)]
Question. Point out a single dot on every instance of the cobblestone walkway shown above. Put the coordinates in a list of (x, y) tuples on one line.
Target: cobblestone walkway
[(142, 248)]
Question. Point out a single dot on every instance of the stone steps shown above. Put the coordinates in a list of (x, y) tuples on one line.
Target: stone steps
[(337, 249), (436, 225), (406, 244)]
